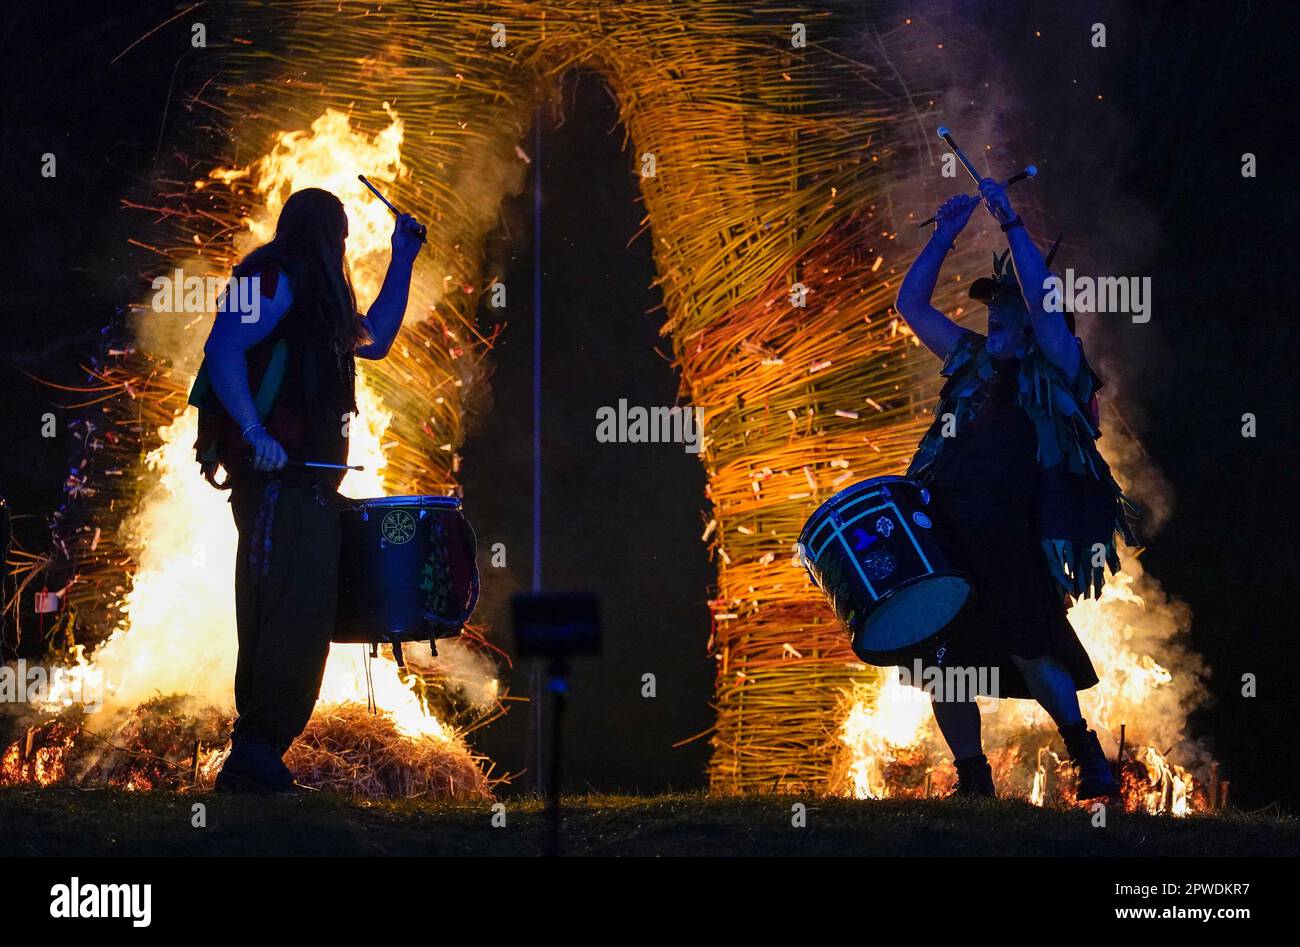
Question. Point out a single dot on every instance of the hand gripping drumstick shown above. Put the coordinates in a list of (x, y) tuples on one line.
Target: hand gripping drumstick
[(946, 135), (1016, 178), (387, 203)]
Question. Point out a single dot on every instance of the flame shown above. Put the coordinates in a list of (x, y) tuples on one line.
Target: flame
[(1128, 633), (1038, 790), (44, 764), (879, 724), (329, 156), (177, 635), (1119, 630)]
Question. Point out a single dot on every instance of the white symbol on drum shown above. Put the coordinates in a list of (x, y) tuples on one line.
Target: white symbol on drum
[(884, 526), (398, 527), (921, 520)]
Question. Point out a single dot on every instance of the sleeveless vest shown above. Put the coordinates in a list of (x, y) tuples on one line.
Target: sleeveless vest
[(300, 399)]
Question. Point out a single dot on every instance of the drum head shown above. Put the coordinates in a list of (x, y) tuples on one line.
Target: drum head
[(911, 616)]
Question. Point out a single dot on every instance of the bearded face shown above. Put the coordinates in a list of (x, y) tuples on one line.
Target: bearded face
[(1008, 326)]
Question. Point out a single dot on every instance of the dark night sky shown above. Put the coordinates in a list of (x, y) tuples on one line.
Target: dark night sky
[(1187, 89)]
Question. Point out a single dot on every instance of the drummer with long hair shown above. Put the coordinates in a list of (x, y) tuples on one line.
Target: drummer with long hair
[(1032, 507), (275, 396)]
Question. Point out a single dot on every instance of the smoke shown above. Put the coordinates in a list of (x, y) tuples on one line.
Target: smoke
[(465, 673), (493, 227)]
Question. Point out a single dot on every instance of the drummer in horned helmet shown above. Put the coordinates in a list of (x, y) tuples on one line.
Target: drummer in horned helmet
[(1032, 507), (277, 384)]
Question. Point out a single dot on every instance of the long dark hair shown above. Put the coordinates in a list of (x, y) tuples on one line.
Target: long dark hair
[(308, 248)]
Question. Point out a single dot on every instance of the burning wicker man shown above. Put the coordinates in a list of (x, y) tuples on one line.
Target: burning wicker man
[(280, 362), (1030, 506)]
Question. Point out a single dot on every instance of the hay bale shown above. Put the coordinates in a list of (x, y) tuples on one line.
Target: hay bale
[(348, 749)]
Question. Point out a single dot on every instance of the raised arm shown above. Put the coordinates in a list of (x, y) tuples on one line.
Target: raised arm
[(389, 308), (1051, 333), (936, 331)]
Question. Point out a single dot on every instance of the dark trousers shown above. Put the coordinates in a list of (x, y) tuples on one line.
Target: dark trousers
[(285, 609)]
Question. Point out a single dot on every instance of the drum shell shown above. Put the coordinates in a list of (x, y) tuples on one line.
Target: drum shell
[(913, 538), (407, 570)]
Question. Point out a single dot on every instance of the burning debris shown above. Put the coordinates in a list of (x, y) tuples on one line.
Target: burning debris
[(164, 743), (179, 743), (891, 748)]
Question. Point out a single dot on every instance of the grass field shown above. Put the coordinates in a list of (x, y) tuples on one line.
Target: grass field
[(68, 821)]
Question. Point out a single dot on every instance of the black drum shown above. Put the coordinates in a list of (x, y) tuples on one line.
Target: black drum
[(875, 552), (407, 571)]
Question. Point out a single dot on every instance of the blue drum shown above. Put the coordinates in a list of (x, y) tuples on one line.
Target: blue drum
[(876, 552), (407, 570)]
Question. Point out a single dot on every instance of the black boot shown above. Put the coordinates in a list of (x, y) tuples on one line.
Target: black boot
[(974, 778), (1091, 767), (254, 766)]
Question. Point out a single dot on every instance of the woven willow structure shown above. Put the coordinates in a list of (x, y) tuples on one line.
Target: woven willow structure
[(774, 240)]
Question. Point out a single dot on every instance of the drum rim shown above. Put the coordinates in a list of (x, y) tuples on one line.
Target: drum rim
[(891, 658), (828, 503), (415, 499)]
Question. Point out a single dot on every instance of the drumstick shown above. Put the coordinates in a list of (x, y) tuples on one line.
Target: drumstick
[(321, 465), (316, 464), (1016, 178), (389, 204), (375, 191), (946, 135)]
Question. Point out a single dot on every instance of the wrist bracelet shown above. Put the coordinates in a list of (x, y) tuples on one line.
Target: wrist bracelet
[(1012, 223), (244, 432)]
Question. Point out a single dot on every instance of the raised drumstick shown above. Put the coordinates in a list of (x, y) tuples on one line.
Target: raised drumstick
[(1019, 176), (961, 155), (375, 191), (389, 204)]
